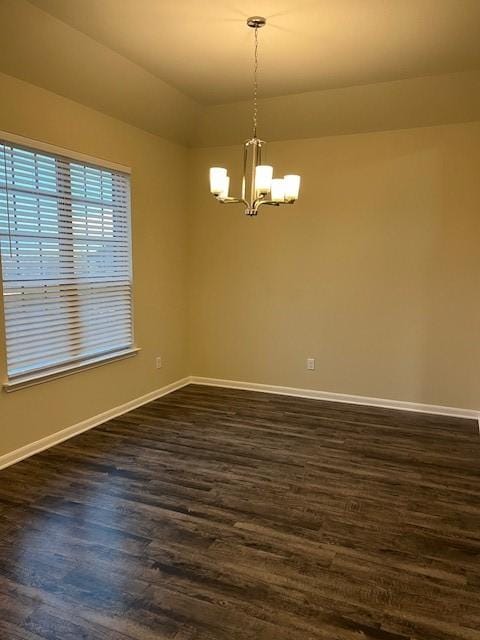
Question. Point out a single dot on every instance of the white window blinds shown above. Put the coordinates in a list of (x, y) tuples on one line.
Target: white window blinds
[(66, 263)]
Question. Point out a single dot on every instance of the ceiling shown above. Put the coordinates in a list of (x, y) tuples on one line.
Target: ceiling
[(182, 69), (44, 51), (204, 49)]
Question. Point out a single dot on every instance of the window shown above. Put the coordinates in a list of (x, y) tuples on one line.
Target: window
[(66, 261)]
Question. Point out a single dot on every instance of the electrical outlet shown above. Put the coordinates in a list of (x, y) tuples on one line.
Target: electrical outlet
[(310, 364), (158, 362)]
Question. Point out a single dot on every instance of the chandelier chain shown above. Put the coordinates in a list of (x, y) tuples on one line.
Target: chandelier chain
[(255, 84)]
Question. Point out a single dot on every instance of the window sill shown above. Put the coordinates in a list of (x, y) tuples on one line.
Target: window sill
[(60, 372)]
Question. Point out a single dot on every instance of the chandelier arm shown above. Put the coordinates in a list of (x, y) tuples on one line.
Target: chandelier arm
[(271, 203), (230, 200)]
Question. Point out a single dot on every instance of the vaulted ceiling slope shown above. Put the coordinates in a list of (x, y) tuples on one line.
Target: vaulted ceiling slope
[(178, 68), (203, 49), (45, 51), (400, 104)]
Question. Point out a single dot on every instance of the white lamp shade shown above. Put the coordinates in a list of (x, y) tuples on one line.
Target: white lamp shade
[(224, 193), (278, 190), (292, 187), (263, 178), (218, 180)]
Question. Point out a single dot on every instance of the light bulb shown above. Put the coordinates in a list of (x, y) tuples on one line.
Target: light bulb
[(292, 187), (224, 193), (263, 178), (218, 180), (278, 190)]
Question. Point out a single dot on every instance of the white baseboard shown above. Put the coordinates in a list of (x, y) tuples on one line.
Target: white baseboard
[(49, 441), (340, 397)]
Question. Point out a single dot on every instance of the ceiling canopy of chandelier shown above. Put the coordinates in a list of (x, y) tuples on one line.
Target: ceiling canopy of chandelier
[(259, 187)]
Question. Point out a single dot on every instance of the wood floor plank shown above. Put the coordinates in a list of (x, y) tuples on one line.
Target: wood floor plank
[(214, 514)]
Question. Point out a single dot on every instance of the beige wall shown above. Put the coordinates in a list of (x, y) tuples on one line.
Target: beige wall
[(375, 272), (159, 262)]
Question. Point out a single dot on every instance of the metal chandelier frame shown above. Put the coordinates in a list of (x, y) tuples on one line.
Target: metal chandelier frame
[(258, 185)]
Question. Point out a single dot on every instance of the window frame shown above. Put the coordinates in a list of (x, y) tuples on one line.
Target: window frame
[(43, 375)]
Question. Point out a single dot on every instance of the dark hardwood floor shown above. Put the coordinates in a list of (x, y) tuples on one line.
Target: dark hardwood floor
[(215, 514)]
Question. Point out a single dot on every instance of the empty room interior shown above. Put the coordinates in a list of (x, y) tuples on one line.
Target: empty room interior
[(240, 320)]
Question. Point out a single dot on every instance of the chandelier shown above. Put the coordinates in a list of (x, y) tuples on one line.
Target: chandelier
[(259, 187)]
